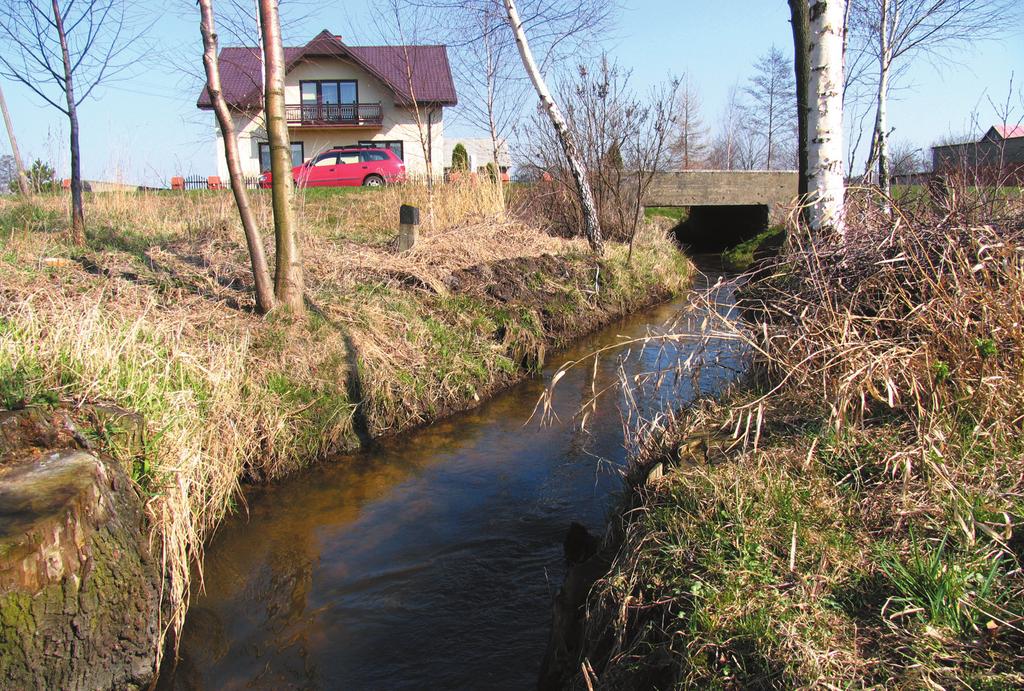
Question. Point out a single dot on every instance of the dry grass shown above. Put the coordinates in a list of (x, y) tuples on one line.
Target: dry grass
[(156, 315), (853, 518)]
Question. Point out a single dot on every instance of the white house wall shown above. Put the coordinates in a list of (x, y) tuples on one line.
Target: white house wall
[(399, 124)]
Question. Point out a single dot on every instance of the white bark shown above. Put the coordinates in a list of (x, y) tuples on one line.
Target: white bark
[(591, 224), (825, 121), (19, 167)]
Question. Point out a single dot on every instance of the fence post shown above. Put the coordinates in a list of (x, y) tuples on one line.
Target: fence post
[(408, 226)]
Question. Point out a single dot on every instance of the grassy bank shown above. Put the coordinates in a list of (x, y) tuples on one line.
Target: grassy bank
[(853, 519), (156, 315)]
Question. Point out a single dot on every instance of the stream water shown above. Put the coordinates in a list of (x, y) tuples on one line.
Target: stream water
[(429, 561)]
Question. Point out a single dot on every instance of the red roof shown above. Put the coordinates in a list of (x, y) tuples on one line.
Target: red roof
[(431, 73), (1009, 131)]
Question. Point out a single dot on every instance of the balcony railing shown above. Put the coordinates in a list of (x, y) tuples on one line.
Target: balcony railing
[(335, 114)]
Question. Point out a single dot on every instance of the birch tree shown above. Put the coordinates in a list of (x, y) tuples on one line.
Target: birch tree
[(62, 51), (893, 33), (825, 116), (19, 166), (591, 222), (288, 278), (260, 273)]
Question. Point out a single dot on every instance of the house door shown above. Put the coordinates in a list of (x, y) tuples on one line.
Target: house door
[(329, 101)]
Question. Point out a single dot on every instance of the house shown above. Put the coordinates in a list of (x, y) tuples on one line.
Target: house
[(480, 153), (997, 156), (341, 95)]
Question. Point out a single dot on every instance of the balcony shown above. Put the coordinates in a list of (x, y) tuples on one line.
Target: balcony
[(335, 115)]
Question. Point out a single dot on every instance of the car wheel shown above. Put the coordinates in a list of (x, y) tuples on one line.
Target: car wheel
[(373, 181)]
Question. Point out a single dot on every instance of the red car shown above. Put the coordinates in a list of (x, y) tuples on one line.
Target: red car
[(347, 167)]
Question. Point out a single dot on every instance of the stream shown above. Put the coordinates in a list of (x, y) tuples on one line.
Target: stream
[(430, 560)]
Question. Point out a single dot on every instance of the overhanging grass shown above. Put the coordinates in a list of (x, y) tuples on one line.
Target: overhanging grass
[(859, 526)]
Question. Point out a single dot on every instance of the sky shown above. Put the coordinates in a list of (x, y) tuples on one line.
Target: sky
[(145, 128)]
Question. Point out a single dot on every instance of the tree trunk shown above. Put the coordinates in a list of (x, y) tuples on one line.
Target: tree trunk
[(882, 120), (591, 223), (77, 208), (19, 166), (800, 20), (260, 273), (825, 121), (288, 279)]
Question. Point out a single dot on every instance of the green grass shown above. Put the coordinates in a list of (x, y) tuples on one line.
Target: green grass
[(742, 256), (676, 213)]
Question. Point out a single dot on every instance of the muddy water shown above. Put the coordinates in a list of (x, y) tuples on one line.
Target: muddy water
[(428, 562)]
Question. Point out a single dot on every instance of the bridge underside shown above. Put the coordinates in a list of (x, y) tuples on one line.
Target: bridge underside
[(726, 206), (717, 228)]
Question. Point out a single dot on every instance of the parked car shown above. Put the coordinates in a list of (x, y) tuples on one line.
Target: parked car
[(347, 167)]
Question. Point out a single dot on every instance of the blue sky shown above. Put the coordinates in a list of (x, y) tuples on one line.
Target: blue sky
[(146, 128)]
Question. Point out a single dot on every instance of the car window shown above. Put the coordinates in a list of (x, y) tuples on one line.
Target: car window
[(368, 156), (326, 160), (348, 157)]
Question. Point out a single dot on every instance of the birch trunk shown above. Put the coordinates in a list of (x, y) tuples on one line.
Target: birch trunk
[(288, 279), (591, 223), (77, 206), (825, 121), (882, 120), (19, 166), (261, 274)]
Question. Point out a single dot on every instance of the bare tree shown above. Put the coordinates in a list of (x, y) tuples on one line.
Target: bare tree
[(826, 189), (62, 52), (493, 90), (288, 277), (771, 108), (19, 166), (591, 222), (731, 144), (689, 146), (261, 274), (893, 32)]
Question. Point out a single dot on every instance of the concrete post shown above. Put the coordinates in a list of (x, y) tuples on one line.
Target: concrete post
[(408, 228)]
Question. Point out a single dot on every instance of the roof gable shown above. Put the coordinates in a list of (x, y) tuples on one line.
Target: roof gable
[(1004, 132), (392, 65)]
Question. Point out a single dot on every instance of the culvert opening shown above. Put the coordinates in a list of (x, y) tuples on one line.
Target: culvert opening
[(717, 228)]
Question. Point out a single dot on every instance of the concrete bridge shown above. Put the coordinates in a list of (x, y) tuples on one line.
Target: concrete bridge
[(723, 188), (726, 206)]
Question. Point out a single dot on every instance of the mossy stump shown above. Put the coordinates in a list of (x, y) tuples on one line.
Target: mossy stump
[(79, 590)]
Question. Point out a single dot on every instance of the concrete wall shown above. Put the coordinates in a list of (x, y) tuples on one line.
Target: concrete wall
[(399, 123), (723, 188)]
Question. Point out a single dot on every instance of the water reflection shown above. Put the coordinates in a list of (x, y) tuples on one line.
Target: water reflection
[(426, 563)]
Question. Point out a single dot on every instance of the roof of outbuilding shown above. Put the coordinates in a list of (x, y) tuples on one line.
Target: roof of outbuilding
[(431, 73), (1009, 131)]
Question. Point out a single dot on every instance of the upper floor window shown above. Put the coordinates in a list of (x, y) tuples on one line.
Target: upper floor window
[(329, 92)]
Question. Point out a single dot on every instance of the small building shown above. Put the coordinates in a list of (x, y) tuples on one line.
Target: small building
[(340, 95), (998, 156), (480, 152)]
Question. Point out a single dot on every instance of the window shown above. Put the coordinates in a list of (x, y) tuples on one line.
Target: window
[(298, 154), (368, 156), (329, 92), (395, 146), (348, 157), (328, 159)]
